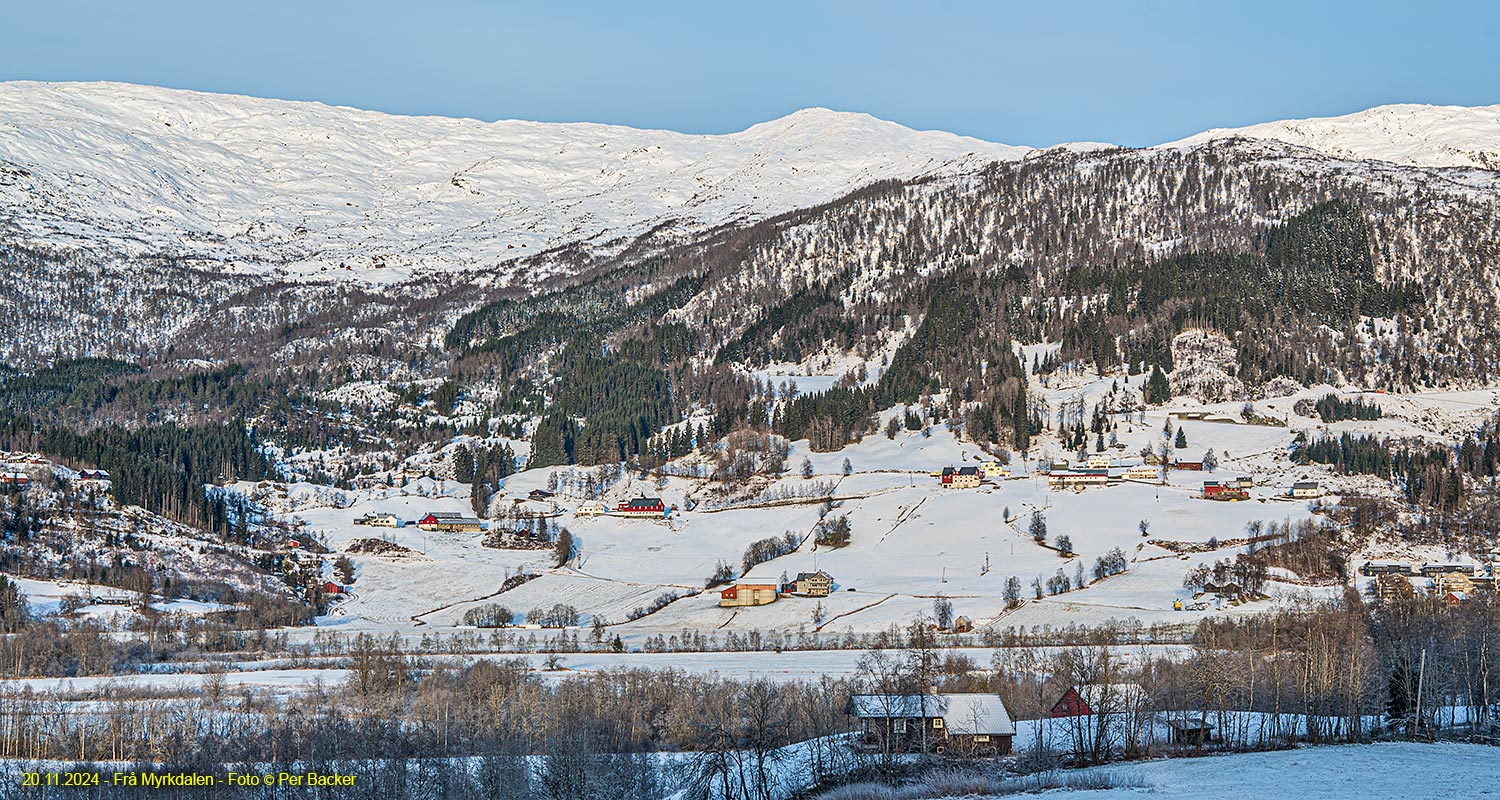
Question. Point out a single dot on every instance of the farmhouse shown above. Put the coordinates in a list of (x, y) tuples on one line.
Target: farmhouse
[(1099, 461), (593, 508), (450, 522), (540, 494), (994, 469), (1455, 598), (1187, 466), (1143, 473), (747, 594), (813, 584), (1215, 490), (953, 723), (641, 507), (379, 520), (15, 479), (1302, 489), (1241, 482), (94, 475), (1090, 477), (1098, 698), (329, 587)]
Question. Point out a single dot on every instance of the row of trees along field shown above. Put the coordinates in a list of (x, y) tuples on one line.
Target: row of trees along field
[(1340, 671)]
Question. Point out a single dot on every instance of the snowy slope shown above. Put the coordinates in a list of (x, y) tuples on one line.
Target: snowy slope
[(271, 183), (1410, 135)]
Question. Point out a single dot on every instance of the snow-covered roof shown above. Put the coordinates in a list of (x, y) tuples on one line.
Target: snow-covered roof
[(965, 713)]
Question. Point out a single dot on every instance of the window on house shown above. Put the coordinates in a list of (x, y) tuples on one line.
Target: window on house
[(899, 726), (937, 722), (981, 738)]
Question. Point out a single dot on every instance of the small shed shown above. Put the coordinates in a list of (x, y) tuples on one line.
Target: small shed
[(1189, 730)]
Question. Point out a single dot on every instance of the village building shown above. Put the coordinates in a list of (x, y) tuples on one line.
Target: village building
[(94, 475), (1099, 461), (747, 594), (1098, 698), (813, 584), (1385, 568), (641, 507), (19, 479), (1307, 489), (592, 508), (1393, 587), (379, 520), (1453, 582), (994, 469), (1216, 490), (449, 522), (329, 587), (1143, 473), (1187, 466), (1241, 482), (1455, 598), (1058, 480), (1431, 569), (540, 494), (961, 724)]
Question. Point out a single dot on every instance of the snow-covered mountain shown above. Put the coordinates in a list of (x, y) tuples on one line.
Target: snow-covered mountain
[(1409, 134), (269, 184)]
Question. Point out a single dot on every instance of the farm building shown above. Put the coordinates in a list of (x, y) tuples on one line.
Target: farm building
[(20, 479), (813, 584), (994, 469), (593, 508), (960, 477), (1143, 473), (1241, 482), (540, 494), (1098, 698), (450, 522), (641, 507), (1189, 729), (329, 587), (1096, 477), (94, 475), (747, 594), (953, 723), (1187, 466), (1099, 461), (1215, 490), (1307, 489)]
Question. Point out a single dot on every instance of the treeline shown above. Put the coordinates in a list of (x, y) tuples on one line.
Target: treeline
[(1333, 408), (162, 468), (1438, 478)]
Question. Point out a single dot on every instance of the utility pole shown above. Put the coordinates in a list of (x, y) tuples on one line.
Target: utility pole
[(1421, 675)]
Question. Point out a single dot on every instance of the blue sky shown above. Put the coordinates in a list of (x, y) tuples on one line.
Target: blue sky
[(1033, 73)]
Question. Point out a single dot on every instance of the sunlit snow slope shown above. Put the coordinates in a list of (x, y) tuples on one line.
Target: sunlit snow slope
[(302, 186)]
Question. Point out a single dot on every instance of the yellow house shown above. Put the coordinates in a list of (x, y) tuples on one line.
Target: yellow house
[(813, 584)]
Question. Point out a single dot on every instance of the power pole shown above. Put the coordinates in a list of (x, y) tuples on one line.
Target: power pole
[(1421, 675)]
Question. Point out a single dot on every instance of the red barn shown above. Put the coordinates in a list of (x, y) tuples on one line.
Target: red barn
[(1098, 698), (642, 507), (329, 587)]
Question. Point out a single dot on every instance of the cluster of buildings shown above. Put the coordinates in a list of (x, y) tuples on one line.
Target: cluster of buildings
[(1452, 583), (1231, 490), (760, 592), (450, 522), (970, 477)]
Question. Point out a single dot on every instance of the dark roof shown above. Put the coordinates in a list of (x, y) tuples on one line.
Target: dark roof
[(969, 471), (961, 713)]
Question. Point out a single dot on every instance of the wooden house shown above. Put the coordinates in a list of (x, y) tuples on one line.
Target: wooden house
[(540, 494), (747, 594), (1143, 473), (1091, 477), (1217, 490), (329, 587), (1098, 698), (959, 724), (813, 584), (593, 508), (1187, 466), (19, 479)]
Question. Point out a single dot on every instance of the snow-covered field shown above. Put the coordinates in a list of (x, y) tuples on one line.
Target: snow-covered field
[(1344, 772)]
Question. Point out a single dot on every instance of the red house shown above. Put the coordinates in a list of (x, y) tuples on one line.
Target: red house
[(642, 507), (15, 479), (1091, 699), (329, 587)]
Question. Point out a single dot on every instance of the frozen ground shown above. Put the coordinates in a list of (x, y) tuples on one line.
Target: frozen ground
[(1345, 772)]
